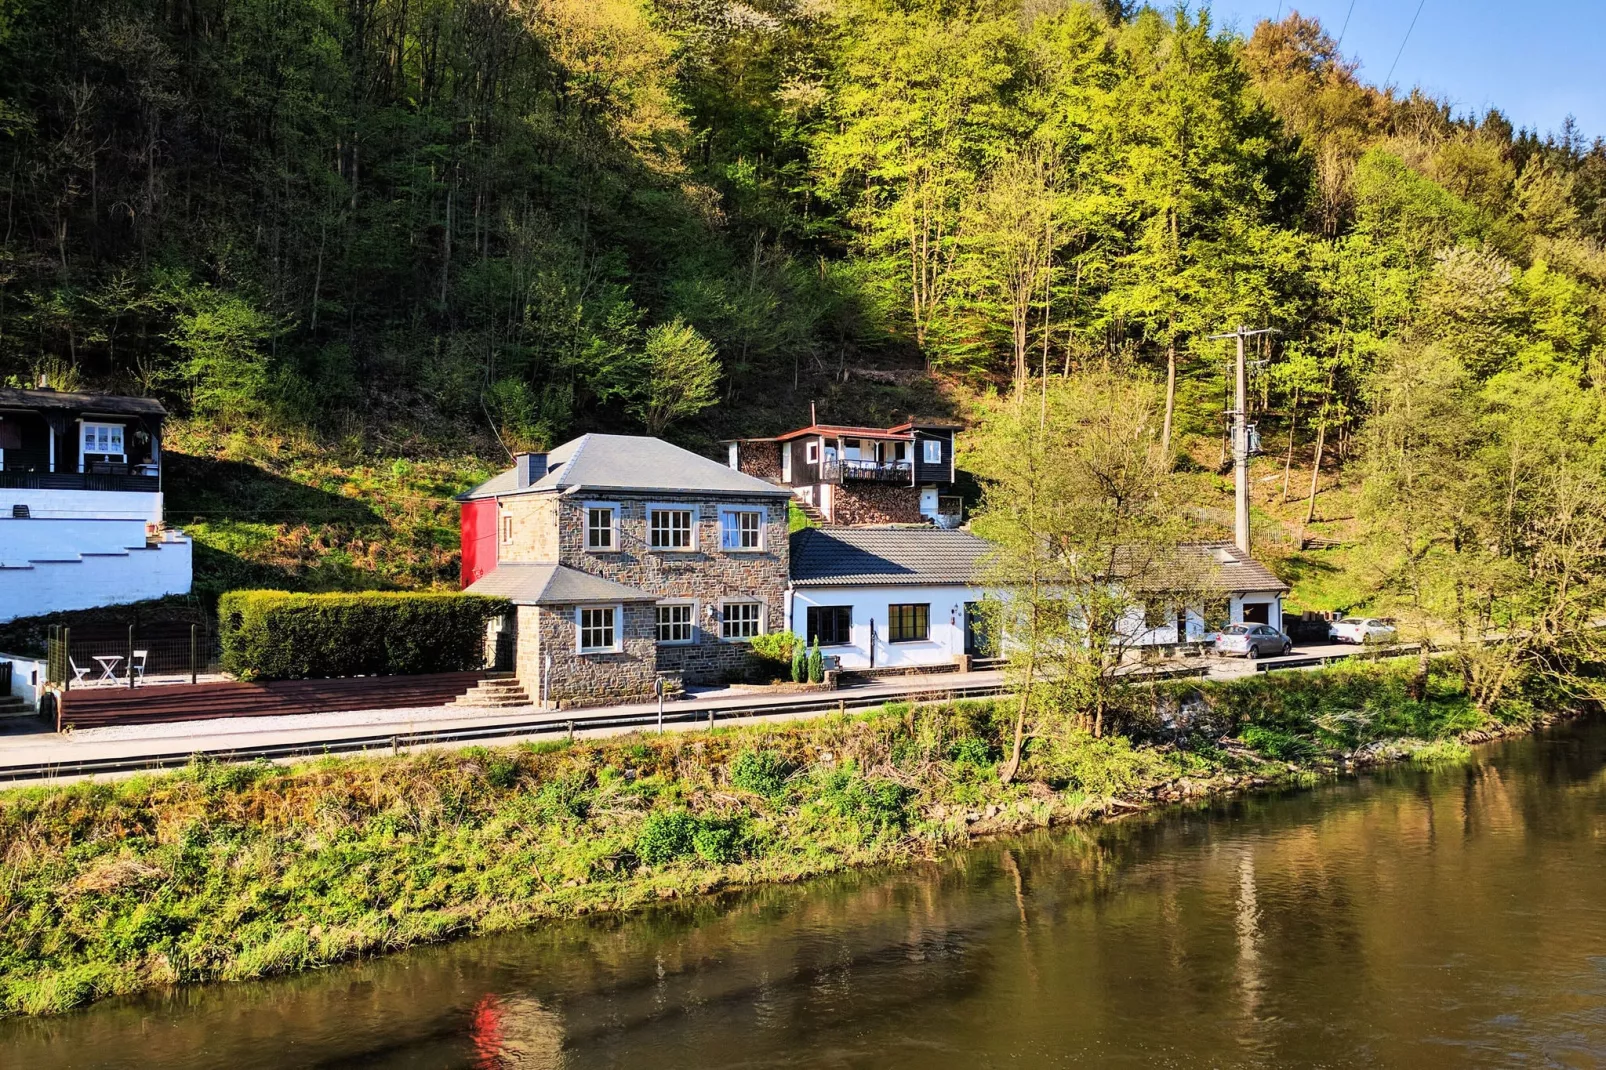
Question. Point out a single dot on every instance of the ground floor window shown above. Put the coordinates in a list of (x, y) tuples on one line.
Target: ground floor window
[(830, 625), (741, 620), (909, 623), (675, 622), (599, 629)]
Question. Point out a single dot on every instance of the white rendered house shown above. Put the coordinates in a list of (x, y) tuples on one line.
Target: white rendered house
[(889, 598), (81, 504)]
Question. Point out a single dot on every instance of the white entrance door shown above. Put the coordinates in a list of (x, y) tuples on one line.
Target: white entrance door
[(928, 501)]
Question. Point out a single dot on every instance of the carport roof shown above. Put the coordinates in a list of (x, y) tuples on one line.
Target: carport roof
[(541, 585)]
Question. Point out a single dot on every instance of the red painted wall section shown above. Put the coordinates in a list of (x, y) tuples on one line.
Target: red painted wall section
[(479, 538)]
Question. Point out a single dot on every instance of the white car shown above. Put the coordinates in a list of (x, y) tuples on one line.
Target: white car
[(1361, 630)]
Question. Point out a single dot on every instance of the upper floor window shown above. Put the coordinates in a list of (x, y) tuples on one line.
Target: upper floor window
[(602, 526), (598, 628), (811, 452), (106, 439), (932, 450), (507, 526), (741, 620), (671, 528), (741, 529)]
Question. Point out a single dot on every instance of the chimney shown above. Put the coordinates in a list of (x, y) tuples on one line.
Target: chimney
[(530, 468)]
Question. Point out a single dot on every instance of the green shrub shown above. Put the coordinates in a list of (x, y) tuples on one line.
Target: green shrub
[(672, 834), (800, 664), (971, 751), (1274, 743), (502, 771), (721, 840), (1101, 767), (775, 646), (762, 772), (666, 836), (277, 635), (879, 805), (816, 664)]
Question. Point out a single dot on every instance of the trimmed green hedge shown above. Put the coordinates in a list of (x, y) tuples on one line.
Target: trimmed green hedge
[(277, 635)]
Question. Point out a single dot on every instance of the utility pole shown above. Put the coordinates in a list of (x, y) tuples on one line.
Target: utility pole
[(1240, 436)]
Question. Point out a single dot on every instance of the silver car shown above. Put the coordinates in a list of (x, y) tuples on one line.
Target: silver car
[(1252, 640)]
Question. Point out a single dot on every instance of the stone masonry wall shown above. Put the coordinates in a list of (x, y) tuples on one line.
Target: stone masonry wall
[(706, 575), (589, 678), (855, 504), (535, 528)]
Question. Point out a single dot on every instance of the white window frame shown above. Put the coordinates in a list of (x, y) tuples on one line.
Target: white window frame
[(613, 545), (504, 524), (811, 452), (928, 447), (738, 511), (671, 507), (725, 605), (85, 427), (689, 604), (618, 610)]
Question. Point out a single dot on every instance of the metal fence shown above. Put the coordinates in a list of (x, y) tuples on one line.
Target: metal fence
[(137, 656)]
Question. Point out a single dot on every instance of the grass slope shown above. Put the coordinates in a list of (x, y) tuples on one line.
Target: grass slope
[(237, 872)]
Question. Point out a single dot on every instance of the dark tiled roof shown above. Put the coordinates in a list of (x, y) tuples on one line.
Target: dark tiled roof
[(1212, 566), (67, 401), (629, 463), (1230, 569), (885, 557), (540, 585)]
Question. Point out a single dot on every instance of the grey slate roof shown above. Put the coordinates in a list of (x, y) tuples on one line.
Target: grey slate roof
[(885, 557), (541, 585), (629, 463), (1218, 567)]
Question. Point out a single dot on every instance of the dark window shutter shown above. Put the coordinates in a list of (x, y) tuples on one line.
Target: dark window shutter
[(10, 434)]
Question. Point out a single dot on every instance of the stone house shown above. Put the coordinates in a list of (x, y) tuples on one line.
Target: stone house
[(856, 476), (628, 559)]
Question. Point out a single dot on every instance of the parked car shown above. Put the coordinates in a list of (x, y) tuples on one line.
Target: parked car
[(1361, 630), (1252, 640)]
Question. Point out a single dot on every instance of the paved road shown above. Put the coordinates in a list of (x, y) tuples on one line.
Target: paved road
[(27, 742)]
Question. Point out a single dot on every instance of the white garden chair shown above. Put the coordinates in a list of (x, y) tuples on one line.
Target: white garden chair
[(77, 672)]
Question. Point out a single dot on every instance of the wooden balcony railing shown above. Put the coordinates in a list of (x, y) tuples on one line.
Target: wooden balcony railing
[(840, 471)]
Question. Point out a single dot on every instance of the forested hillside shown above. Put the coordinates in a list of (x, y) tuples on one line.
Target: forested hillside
[(365, 246)]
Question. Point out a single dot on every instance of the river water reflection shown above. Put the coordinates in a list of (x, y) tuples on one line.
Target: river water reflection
[(1408, 919)]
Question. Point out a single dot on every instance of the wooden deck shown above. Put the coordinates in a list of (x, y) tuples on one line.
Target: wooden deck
[(97, 707)]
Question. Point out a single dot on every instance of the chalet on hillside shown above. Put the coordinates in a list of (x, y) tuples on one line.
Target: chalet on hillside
[(855, 476), (81, 521)]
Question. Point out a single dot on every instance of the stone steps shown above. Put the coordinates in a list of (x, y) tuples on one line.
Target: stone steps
[(14, 706), (812, 512), (498, 692)]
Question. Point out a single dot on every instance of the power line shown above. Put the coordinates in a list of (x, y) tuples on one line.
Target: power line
[(1345, 30), (1401, 52)]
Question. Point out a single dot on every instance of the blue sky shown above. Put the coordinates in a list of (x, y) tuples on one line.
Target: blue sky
[(1536, 61)]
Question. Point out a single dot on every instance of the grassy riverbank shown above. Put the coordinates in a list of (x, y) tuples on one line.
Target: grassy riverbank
[(236, 872)]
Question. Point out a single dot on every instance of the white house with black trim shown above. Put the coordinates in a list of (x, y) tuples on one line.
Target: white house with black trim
[(889, 598), (81, 504)]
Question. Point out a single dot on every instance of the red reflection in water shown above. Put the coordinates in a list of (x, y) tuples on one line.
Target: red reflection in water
[(485, 1031)]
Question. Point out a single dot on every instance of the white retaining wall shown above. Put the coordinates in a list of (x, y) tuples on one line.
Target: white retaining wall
[(97, 579), (25, 541), (86, 504)]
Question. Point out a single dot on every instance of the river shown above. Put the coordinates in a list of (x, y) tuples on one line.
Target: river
[(1408, 918)]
